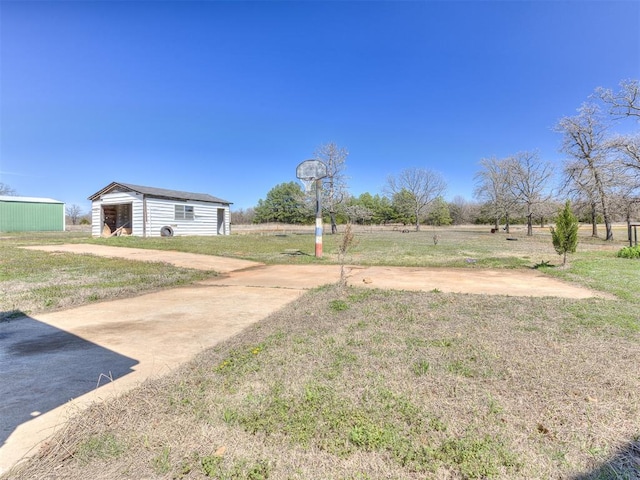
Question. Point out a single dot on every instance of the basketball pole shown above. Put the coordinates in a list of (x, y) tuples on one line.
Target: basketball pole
[(310, 171), (318, 220)]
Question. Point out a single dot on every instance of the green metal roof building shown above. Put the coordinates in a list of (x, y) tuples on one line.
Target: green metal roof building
[(30, 214)]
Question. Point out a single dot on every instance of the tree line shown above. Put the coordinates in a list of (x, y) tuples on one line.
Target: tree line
[(600, 175)]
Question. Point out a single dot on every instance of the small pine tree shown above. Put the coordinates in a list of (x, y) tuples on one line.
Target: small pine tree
[(565, 233)]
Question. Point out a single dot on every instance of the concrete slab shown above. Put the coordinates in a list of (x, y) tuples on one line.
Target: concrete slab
[(517, 283), (179, 259)]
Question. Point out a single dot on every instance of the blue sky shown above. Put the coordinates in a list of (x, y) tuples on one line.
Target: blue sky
[(226, 98)]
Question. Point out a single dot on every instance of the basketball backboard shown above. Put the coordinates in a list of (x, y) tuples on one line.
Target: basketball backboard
[(311, 170)]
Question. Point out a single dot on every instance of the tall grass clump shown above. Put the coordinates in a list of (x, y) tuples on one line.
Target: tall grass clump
[(629, 252)]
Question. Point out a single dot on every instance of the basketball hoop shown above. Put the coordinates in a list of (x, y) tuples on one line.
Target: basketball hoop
[(308, 184), (309, 172)]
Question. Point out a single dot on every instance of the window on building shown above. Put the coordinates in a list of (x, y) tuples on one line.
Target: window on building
[(184, 212)]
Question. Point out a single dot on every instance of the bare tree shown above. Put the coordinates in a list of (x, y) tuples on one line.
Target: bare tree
[(626, 162), (6, 190), (462, 210), (358, 213), (584, 141), (74, 212), (578, 185), (529, 180), (627, 148), (421, 186), (626, 200), (546, 211), (625, 102), (493, 188), (243, 217), (335, 190)]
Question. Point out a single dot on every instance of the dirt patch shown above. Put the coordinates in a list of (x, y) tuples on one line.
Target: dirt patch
[(528, 283)]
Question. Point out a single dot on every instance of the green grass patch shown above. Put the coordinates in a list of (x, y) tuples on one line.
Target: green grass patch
[(162, 462), (317, 417), (104, 446), (34, 281), (629, 252), (477, 456), (215, 467), (421, 367), (604, 272), (338, 305)]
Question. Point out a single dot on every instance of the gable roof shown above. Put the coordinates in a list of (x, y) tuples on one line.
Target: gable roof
[(157, 193)]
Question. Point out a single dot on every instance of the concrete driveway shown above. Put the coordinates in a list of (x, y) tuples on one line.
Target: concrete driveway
[(53, 362)]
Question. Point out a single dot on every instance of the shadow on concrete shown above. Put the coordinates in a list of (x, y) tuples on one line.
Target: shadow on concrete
[(623, 464), (43, 367)]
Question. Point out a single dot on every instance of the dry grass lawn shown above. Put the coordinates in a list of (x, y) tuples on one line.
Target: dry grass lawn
[(362, 384)]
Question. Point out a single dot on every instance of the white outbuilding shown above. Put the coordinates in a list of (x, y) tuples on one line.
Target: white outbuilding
[(126, 209)]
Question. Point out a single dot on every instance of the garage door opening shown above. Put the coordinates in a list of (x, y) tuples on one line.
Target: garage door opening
[(116, 219)]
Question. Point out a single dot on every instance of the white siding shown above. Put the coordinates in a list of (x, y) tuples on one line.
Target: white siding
[(161, 213), (96, 220)]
